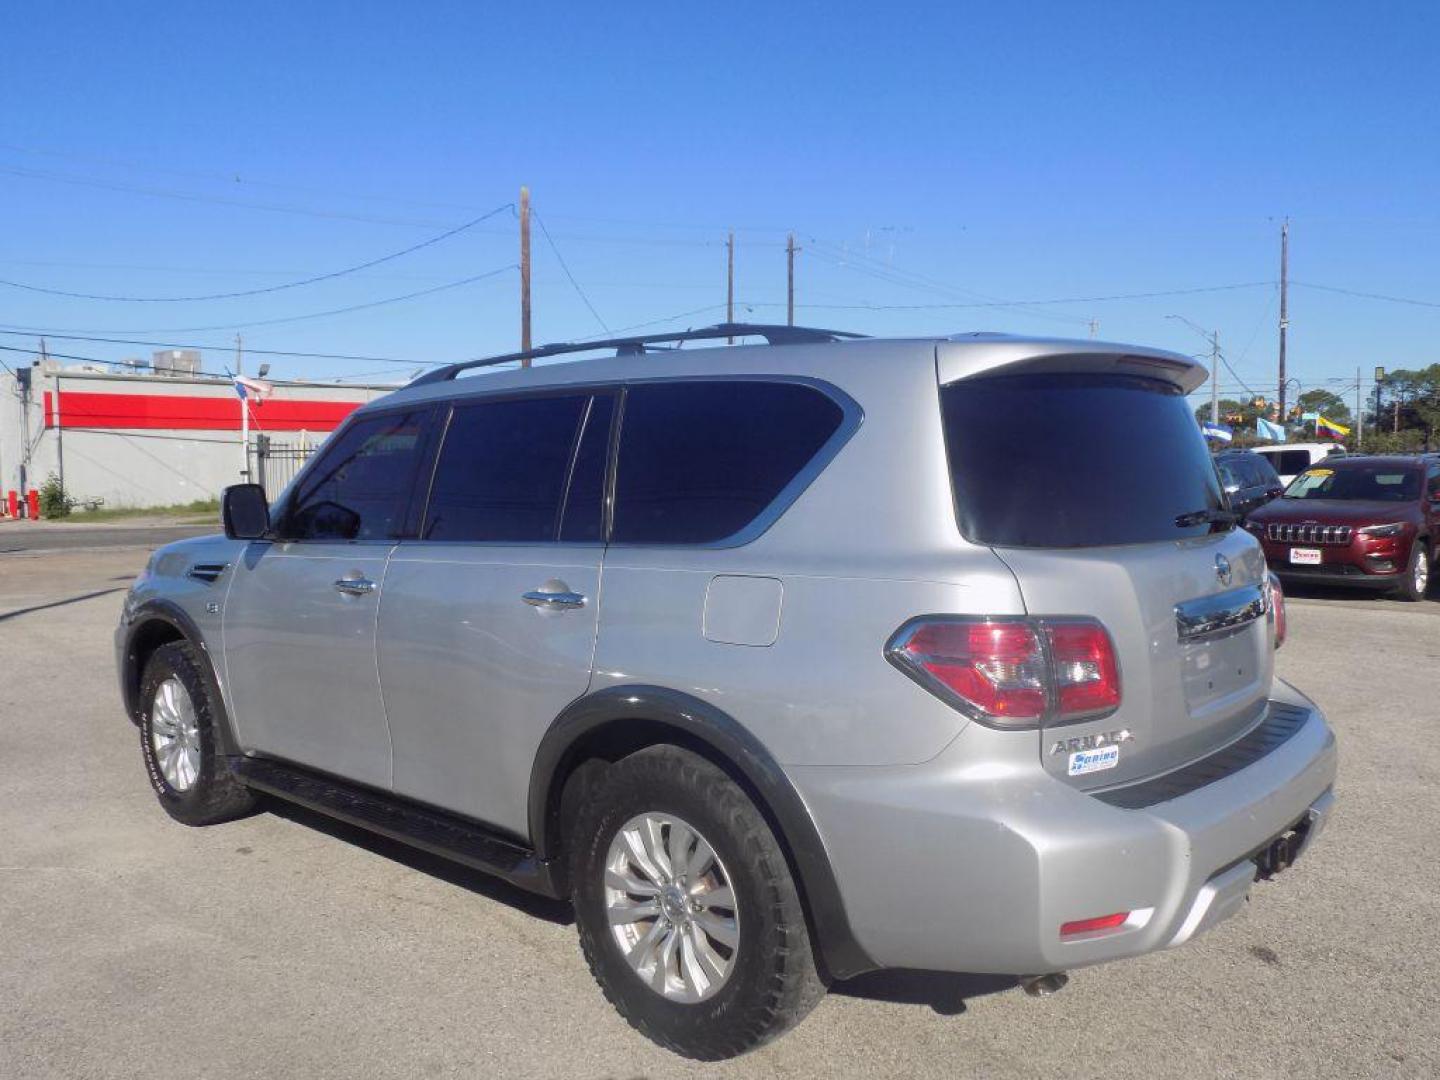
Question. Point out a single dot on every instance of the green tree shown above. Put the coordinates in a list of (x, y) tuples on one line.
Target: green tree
[(1331, 406)]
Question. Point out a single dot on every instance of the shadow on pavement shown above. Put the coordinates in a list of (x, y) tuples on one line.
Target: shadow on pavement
[(942, 991), (555, 911), (56, 603)]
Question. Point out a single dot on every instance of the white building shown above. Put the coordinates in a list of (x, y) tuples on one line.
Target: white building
[(137, 440)]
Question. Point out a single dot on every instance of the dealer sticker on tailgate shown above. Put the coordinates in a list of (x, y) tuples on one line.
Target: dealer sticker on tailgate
[(1305, 556), (1088, 761)]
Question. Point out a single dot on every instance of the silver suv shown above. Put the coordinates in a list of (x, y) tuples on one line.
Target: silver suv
[(783, 662)]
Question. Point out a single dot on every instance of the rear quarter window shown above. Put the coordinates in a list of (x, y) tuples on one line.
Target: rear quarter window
[(701, 461)]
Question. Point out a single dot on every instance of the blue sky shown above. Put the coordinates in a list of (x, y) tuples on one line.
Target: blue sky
[(923, 154)]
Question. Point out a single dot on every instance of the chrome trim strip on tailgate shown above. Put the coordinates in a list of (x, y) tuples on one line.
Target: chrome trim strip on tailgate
[(1195, 619)]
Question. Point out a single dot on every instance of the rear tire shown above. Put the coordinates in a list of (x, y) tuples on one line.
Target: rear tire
[(1416, 581), (178, 739), (730, 1000)]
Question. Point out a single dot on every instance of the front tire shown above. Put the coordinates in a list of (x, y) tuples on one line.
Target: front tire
[(179, 742), (1416, 581), (687, 912)]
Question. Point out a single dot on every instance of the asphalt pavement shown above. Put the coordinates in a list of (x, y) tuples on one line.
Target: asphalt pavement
[(283, 945), (26, 537)]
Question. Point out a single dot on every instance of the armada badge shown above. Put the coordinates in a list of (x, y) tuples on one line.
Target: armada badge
[(1092, 742)]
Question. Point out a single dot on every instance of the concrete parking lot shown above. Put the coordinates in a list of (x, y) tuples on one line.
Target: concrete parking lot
[(282, 945)]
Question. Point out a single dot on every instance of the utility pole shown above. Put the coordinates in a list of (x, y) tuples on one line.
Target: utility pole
[(1284, 306), (244, 413), (730, 283), (59, 424), (1215, 377), (790, 280), (1359, 414), (525, 273), (1094, 327)]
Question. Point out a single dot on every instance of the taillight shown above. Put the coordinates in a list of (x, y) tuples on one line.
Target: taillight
[(996, 668), (1277, 610), (1012, 672), (1087, 679)]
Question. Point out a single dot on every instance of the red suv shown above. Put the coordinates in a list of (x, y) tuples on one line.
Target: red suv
[(1357, 520)]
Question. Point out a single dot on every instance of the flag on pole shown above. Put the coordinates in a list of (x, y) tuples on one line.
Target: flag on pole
[(1329, 427), (1268, 429), (1219, 432), (245, 386)]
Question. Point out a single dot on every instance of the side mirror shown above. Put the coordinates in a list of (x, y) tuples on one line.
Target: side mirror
[(245, 512)]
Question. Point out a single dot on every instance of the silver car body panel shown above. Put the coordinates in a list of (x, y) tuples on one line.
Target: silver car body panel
[(441, 684)]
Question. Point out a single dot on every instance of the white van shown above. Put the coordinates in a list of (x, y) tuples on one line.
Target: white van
[(1291, 459)]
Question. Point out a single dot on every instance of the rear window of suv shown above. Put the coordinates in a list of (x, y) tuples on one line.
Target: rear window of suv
[(1067, 461)]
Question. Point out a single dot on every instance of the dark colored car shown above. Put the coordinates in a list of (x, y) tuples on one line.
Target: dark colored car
[(1250, 481), (1357, 521)]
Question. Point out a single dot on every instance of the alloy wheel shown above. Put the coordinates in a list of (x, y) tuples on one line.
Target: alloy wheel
[(671, 907), (175, 734)]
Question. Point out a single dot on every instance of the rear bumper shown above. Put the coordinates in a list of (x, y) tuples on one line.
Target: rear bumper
[(960, 867)]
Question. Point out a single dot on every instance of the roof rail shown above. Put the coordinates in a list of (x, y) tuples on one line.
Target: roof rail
[(635, 346)]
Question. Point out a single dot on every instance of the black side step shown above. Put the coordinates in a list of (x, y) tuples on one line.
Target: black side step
[(432, 830)]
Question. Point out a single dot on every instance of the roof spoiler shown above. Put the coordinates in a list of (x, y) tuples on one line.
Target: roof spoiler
[(970, 356)]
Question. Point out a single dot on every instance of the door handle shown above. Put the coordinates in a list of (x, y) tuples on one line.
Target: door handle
[(355, 586), (554, 601)]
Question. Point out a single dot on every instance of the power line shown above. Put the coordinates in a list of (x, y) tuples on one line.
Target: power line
[(910, 279), (165, 193), (1035, 303), (63, 335), (561, 260), (1368, 295), (232, 177), (269, 288), (309, 315)]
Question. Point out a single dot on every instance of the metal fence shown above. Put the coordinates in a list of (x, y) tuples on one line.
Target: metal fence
[(275, 463)]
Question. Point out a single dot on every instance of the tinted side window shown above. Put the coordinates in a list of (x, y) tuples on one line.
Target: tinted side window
[(699, 461), (502, 469), (1432, 485), (359, 487), (583, 517)]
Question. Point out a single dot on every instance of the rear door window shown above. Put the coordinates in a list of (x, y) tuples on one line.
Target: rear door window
[(502, 470), (1070, 460), (701, 461)]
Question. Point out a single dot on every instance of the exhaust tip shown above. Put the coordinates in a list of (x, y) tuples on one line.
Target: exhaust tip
[(1044, 985)]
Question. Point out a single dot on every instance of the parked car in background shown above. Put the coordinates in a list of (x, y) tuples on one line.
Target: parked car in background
[(877, 677), (1368, 521), (1249, 480), (1292, 459)]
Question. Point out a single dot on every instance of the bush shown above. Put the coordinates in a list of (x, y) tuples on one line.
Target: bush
[(1406, 440), (54, 503)]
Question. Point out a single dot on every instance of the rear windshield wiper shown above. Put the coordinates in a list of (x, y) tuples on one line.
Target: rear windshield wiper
[(1206, 517)]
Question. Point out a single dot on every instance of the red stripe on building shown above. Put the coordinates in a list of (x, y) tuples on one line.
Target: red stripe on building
[(79, 409)]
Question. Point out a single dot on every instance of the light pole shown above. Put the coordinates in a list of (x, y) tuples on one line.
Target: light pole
[(1298, 389), (1212, 336)]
